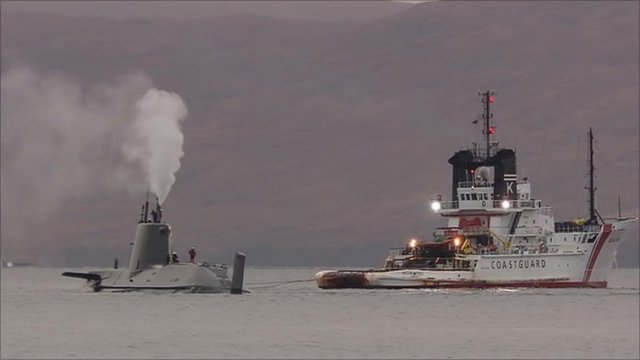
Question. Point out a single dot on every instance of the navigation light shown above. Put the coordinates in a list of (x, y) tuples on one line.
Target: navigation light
[(456, 241)]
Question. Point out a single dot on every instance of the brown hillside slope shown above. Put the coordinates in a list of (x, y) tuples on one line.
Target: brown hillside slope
[(315, 143)]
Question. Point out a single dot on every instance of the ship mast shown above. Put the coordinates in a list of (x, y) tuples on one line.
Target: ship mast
[(593, 213), (487, 100)]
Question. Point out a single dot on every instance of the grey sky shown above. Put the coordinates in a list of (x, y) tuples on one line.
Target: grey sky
[(309, 10)]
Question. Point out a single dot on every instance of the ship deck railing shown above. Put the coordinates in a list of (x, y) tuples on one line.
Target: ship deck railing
[(481, 154), (483, 184), (386, 269), (492, 204), (475, 230), (584, 228), (475, 184)]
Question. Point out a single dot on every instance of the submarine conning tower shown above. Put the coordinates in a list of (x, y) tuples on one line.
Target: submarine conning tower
[(490, 166), (151, 243)]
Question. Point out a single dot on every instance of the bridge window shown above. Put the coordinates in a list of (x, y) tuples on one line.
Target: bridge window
[(474, 196)]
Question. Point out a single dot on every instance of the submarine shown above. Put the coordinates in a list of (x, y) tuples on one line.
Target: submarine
[(154, 266)]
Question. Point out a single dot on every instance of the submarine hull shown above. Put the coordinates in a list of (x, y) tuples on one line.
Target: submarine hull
[(185, 277)]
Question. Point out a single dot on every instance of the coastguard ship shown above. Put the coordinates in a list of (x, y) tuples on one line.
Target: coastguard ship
[(154, 266), (498, 234)]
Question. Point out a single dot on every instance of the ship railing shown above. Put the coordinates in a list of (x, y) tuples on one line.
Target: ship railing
[(395, 252), (530, 231), (475, 230), (483, 184), (564, 228), (448, 205), (491, 204), (519, 203), (446, 231), (531, 249), (436, 268), (475, 184), (481, 154)]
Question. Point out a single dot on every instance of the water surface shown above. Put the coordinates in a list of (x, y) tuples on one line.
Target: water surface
[(45, 315)]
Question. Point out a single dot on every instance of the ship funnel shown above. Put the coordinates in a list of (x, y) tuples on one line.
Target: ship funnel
[(150, 246)]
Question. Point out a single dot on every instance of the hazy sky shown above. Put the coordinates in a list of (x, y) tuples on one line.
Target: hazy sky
[(311, 10)]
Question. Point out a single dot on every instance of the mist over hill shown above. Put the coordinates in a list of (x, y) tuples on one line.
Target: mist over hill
[(320, 143)]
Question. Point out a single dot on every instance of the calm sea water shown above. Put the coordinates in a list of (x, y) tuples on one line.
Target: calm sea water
[(45, 315)]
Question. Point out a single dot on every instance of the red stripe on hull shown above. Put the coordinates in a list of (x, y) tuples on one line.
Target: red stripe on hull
[(606, 231)]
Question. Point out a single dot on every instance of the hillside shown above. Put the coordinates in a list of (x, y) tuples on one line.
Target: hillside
[(314, 143)]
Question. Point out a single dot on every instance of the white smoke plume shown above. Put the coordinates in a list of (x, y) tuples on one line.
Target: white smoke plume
[(63, 141), (157, 141)]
